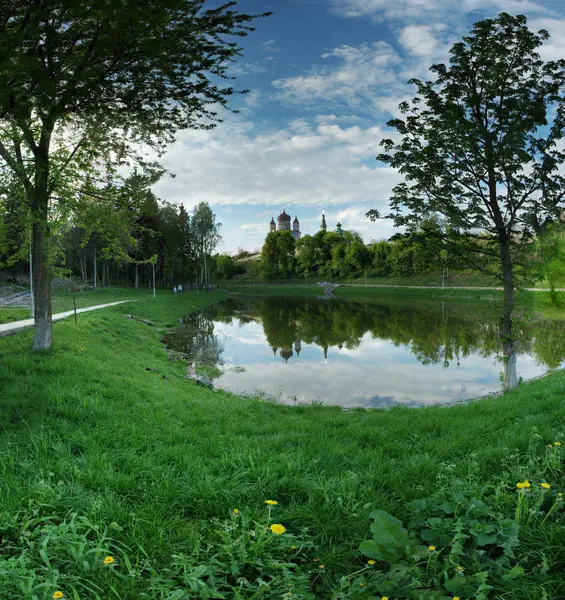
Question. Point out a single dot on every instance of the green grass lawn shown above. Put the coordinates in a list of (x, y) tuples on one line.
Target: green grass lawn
[(87, 429), (9, 314), (63, 300)]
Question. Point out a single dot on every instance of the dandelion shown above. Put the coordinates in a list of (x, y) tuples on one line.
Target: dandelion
[(527, 484), (371, 562), (432, 548), (321, 566), (384, 597), (277, 529), (520, 485), (109, 560), (361, 585), (271, 502), (58, 594), (235, 511), (550, 446), (293, 547), (545, 486), (557, 444), (456, 598), (459, 569)]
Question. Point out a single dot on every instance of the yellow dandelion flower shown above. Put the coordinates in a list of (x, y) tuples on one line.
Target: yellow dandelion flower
[(384, 598), (293, 547), (235, 511), (545, 486), (109, 560), (557, 444), (271, 502), (456, 598), (432, 548), (277, 529), (550, 445), (361, 585), (321, 566), (371, 562), (459, 568), (527, 484), (520, 485), (58, 594)]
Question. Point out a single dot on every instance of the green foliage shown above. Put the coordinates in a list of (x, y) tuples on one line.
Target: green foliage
[(277, 255), (479, 146), (473, 539)]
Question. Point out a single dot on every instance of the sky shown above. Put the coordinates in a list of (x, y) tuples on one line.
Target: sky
[(324, 78)]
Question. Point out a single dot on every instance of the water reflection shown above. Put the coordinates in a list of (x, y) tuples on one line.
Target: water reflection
[(359, 353)]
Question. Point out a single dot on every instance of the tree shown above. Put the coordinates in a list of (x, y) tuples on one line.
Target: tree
[(205, 231), (121, 73), (480, 147), (277, 255)]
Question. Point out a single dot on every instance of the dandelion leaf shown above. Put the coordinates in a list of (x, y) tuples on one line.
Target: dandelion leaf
[(389, 538)]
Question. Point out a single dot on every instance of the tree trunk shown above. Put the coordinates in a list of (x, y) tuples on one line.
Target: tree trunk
[(136, 276), (42, 337), (43, 333), (103, 273), (95, 278), (508, 353)]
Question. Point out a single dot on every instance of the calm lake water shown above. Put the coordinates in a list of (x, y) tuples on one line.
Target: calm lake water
[(360, 353)]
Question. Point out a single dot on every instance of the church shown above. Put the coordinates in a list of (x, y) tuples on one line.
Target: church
[(284, 225)]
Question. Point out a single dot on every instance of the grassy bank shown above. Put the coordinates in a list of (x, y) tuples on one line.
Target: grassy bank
[(109, 451), (465, 278), (64, 300)]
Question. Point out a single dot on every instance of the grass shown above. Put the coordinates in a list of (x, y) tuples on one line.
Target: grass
[(62, 301), (9, 315), (464, 278), (87, 428)]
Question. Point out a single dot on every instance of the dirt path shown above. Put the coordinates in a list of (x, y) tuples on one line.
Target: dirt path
[(8, 328)]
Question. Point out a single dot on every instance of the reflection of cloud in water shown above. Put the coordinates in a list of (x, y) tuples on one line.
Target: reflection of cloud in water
[(390, 354), (378, 373)]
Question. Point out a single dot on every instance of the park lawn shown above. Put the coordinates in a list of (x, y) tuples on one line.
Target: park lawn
[(9, 314), (87, 428), (62, 300)]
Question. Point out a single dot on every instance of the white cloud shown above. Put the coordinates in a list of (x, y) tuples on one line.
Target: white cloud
[(362, 71), (418, 40), (323, 165), (423, 10)]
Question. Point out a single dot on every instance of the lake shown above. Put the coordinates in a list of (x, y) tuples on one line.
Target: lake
[(360, 353)]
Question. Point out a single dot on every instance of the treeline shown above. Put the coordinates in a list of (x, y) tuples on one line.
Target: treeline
[(117, 235), (345, 255), (428, 248)]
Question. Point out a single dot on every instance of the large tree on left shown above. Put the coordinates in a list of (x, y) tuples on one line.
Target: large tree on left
[(115, 72)]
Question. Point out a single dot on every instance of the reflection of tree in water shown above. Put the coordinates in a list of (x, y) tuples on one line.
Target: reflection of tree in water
[(196, 338), (435, 333)]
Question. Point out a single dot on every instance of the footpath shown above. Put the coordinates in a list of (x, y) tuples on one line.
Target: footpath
[(9, 328)]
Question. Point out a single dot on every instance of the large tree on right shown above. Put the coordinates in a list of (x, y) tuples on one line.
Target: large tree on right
[(480, 146)]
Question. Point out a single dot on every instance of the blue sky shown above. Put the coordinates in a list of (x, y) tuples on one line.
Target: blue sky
[(324, 78)]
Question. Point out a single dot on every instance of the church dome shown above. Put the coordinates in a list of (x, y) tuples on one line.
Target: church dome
[(284, 217)]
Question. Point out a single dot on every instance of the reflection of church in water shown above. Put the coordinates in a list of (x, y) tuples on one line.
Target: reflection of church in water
[(286, 353)]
